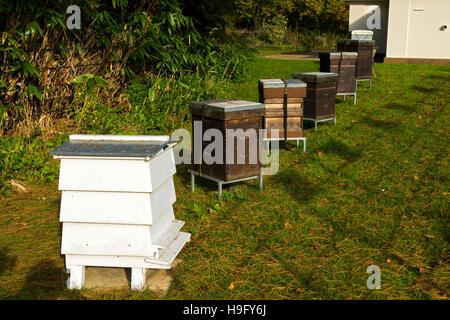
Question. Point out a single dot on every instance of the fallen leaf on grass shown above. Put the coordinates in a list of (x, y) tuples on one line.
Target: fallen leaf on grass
[(17, 185), (231, 286), (388, 260)]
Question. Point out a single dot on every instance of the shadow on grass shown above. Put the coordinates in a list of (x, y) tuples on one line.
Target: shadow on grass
[(439, 77), (44, 281), (308, 124), (380, 124), (423, 89), (399, 106), (7, 261), (334, 146), (301, 188), (210, 185)]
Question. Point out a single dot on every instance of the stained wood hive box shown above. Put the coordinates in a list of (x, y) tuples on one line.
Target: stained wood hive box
[(364, 48), (320, 94), (116, 205), (222, 115), (344, 64), (284, 106)]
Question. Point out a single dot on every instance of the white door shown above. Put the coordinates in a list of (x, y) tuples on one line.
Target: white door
[(427, 36)]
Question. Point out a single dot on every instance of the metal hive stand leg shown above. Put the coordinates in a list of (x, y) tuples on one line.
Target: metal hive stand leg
[(192, 181)]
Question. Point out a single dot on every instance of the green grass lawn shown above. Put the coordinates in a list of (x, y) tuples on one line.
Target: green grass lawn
[(372, 189)]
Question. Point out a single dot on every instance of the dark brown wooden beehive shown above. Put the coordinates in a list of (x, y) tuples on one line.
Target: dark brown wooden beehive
[(320, 94), (344, 64), (364, 48), (223, 115), (284, 106)]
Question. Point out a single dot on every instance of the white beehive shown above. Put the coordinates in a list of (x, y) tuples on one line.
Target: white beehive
[(361, 35), (116, 205)]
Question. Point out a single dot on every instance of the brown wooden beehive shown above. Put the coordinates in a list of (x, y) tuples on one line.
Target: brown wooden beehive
[(223, 115), (344, 64), (320, 94), (284, 106), (364, 48)]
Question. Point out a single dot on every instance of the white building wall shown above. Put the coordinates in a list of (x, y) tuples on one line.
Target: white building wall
[(425, 38), (360, 11), (409, 28)]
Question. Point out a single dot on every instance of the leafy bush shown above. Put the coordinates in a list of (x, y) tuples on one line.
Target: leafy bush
[(276, 29), (163, 58), (156, 106), (27, 159), (317, 40)]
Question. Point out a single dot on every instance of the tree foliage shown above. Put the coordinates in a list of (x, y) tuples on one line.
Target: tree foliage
[(317, 15)]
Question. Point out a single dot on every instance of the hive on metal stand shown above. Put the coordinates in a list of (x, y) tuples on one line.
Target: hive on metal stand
[(234, 120), (284, 108), (320, 95), (116, 205), (365, 50), (344, 64)]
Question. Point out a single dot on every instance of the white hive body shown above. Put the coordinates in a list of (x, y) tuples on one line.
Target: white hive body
[(116, 205)]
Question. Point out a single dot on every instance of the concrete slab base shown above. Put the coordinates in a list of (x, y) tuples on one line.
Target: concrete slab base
[(158, 280)]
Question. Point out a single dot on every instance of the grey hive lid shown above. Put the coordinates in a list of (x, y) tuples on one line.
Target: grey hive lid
[(271, 83), (228, 105), (280, 83), (199, 104), (314, 75), (295, 83), (112, 146)]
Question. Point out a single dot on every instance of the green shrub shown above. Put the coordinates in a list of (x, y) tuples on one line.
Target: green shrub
[(276, 29), (27, 159), (157, 106)]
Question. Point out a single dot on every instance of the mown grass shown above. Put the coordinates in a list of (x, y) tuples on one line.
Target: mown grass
[(372, 189)]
